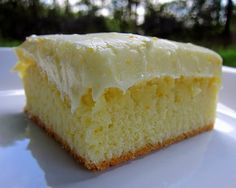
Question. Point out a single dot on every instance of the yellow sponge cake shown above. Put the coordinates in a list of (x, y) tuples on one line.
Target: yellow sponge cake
[(110, 97)]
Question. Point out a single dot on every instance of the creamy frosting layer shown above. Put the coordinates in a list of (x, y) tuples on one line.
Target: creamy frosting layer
[(75, 63)]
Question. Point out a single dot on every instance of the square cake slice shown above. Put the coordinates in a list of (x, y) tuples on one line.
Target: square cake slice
[(110, 97)]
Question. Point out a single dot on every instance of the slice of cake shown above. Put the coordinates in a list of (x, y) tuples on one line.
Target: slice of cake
[(111, 97)]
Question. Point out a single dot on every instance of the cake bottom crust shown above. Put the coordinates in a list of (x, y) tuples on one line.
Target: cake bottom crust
[(124, 157)]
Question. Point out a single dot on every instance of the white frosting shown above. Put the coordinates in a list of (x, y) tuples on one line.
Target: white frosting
[(75, 63)]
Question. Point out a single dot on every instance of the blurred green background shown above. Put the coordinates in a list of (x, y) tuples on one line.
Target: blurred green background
[(210, 23)]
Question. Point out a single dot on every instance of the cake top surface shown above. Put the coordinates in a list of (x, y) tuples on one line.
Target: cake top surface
[(98, 61)]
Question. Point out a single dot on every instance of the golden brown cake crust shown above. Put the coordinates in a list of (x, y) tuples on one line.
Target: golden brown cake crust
[(126, 156)]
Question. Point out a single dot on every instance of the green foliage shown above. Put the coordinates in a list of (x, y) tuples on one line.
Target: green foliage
[(159, 20), (229, 56), (9, 43), (181, 19), (21, 18)]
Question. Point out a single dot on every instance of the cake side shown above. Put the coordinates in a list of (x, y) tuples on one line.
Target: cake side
[(120, 126), (124, 157)]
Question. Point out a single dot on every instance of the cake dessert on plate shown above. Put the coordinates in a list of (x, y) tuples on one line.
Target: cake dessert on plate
[(110, 97)]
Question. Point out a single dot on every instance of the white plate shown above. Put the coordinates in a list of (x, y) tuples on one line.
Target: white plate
[(30, 158)]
